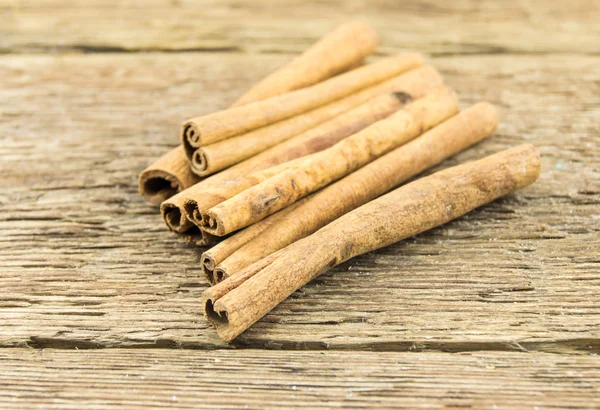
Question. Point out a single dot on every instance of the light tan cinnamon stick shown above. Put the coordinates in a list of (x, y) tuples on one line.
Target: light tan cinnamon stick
[(214, 157), (339, 50), (443, 141), (218, 126), (234, 305), (168, 175), (218, 192), (346, 156), (416, 83), (345, 47)]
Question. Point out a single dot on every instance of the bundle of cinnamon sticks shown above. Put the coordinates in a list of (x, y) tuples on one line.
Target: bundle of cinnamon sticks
[(304, 171)]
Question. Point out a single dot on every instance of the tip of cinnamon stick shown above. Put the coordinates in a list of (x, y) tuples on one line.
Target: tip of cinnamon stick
[(200, 163), (208, 267), (190, 138), (216, 318), (157, 186), (219, 275), (192, 213), (173, 217)]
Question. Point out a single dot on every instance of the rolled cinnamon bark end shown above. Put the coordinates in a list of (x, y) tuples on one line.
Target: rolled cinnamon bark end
[(235, 304), (190, 140), (339, 50), (215, 255), (208, 267), (200, 163), (221, 125), (279, 191), (374, 179), (213, 294), (167, 176), (175, 219)]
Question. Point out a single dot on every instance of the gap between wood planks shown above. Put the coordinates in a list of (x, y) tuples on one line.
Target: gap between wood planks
[(567, 346)]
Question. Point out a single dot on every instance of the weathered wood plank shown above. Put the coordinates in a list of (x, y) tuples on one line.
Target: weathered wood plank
[(254, 379), (465, 27), (87, 263)]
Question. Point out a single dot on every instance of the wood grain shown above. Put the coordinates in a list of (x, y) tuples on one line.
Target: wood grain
[(435, 27), (92, 91), (255, 379), (87, 263)]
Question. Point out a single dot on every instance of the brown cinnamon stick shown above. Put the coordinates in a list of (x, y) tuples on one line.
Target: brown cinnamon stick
[(415, 83), (221, 125), (346, 156), (339, 50), (168, 175), (345, 47), (443, 141), (218, 192), (211, 158), (233, 306)]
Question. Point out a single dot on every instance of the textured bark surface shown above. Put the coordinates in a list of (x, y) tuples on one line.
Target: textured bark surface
[(87, 263)]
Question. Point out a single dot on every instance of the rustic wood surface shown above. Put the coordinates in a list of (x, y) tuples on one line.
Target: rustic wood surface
[(258, 379), (93, 91)]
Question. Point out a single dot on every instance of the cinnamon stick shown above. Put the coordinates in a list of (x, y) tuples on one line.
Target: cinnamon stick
[(211, 158), (415, 83), (168, 175), (346, 156), (374, 179), (339, 50), (345, 47), (218, 192), (220, 125), (233, 306)]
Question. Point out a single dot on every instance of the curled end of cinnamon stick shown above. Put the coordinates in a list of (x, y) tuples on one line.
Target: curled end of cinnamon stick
[(190, 138), (174, 218), (219, 275), (208, 267), (212, 224), (157, 186), (216, 317), (200, 163), (192, 212)]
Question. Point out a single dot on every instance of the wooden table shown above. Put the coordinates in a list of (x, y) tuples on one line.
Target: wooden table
[(99, 304)]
